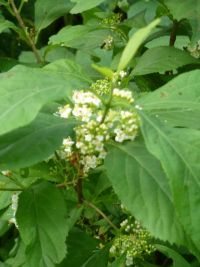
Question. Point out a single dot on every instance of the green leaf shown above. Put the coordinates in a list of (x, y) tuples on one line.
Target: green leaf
[(42, 225), (83, 5), (187, 9), (161, 59), (80, 248), (99, 258), (23, 91), (83, 37), (69, 34), (134, 43), (177, 102), (46, 11), (120, 262), (141, 185), (6, 24), (104, 71), (181, 41), (19, 259), (178, 260), (178, 150), (35, 142)]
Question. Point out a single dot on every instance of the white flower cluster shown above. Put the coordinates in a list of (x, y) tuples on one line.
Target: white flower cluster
[(124, 94), (127, 128), (91, 135), (65, 111), (134, 242)]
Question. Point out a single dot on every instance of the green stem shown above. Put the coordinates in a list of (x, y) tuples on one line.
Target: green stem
[(79, 191), (21, 5), (10, 189), (100, 212), (22, 25), (107, 106), (15, 181), (173, 33)]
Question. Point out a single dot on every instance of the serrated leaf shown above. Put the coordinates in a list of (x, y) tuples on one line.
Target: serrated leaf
[(35, 142), (161, 59), (83, 5), (23, 91), (42, 225), (46, 11), (134, 43), (141, 185), (177, 102), (80, 248), (178, 151)]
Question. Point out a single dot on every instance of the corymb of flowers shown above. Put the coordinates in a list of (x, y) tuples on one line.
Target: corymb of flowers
[(105, 112), (134, 242)]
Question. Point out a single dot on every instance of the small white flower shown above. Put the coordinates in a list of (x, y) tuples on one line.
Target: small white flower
[(67, 145), (129, 260), (113, 250), (123, 94), (82, 112), (138, 107), (122, 74), (68, 142), (88, 137), (100, 137), (65, 111), (124, 223), (81, 97)]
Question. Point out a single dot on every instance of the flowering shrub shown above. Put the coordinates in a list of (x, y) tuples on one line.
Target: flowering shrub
[(99, 136)]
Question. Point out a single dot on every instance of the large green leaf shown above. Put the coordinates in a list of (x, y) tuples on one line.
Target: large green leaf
[(46, 11), (87, 37), (23, 91), (69, 34), (161, 59), (41, 218), (178, 150), (35, 142), (80, 248), (83, 5), (187, 9), (134, 43), (141, 185), (177, 102)]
